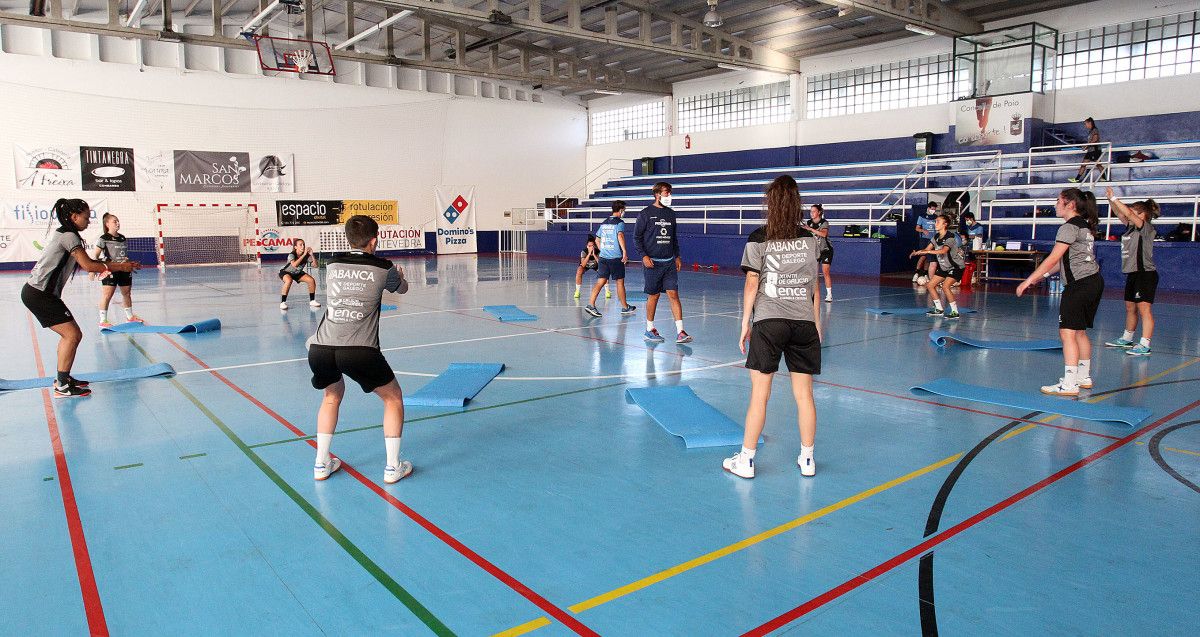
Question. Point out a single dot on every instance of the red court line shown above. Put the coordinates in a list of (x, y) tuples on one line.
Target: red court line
[(923, 547), (549, 608), (92, 606)]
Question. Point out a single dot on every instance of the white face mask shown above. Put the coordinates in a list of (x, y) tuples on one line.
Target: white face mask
[(665, 200)]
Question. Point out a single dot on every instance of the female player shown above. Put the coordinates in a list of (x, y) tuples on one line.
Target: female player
[(111, 248), (589, 259), (42, 294), (1074, 249), (944, 246), (780, 298), (293, 272), (819, 225), (1141, 278)]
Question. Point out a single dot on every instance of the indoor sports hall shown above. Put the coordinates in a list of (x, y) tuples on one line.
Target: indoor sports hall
[(581, 251)]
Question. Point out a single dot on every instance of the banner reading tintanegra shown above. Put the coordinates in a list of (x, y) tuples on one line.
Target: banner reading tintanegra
[(384, 211), (207, 171), (105, 168), (456, 232), (46, 167)]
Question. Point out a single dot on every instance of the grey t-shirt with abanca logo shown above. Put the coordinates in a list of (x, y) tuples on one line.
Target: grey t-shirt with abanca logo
[(354, 286), (787, 270), (113, 247), (57, 262), (1080, 260)]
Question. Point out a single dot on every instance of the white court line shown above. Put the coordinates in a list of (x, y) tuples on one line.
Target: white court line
[(675, 372)]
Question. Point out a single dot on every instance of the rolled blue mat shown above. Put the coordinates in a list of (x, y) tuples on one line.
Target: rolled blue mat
[(1099, 412), (149, 371), (942, 337), (211, 325), (456, 386), (509, 313), (682, 413), (904, 311)]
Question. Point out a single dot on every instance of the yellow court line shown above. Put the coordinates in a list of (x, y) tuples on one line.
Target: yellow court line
[(660, 576), (1190, 453)]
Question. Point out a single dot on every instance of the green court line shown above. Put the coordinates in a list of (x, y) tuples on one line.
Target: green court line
[(48, 479), (128, 466), (194, 455), (326, 525), (445, 415)]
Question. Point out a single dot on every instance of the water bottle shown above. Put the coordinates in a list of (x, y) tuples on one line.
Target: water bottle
[(1055, 284)]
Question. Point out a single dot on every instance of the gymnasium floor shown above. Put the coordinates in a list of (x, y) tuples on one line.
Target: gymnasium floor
[(551, 506)]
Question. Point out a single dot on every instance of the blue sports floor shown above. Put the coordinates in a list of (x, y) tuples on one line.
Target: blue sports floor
[(550, 506)]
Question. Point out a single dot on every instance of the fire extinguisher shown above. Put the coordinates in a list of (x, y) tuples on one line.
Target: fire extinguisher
[(687, 141)]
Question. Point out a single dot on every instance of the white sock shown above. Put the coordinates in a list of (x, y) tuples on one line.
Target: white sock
[(1071, 376), (649, 326), (103, 316), (1085, 368), (679, 325), (953, 306), (1127, 335), (828, 291), (1145, 342), (393, 451), (937, 304), (806, 452), (323, 442), (128, 312), (576, 287), (749, 453)]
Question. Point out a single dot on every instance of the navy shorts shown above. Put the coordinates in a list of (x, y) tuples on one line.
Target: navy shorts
[(662, 277), (612, 269)]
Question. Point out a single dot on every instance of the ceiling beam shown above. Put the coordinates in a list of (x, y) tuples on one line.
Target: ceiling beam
[(931, 14)]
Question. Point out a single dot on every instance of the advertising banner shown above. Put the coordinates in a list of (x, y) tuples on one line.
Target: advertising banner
[(155, 170), (400, 238), (456, 232), (272, 173), (988, 121), (309, 212), (384, 212), (46, 167), (26, 225), (207, 171), (107, 168)]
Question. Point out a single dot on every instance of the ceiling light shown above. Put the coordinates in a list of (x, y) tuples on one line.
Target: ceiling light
[(844, 11), (916, 28), (731, 67), (712, 18), (602, 91)]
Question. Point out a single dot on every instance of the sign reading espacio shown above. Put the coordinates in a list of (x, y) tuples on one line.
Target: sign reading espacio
[(309, 213)]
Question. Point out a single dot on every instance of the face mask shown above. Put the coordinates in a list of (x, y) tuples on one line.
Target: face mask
[(665, 200)]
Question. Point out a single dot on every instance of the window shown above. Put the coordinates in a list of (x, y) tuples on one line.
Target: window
[(640, 121), (765, 104), (1159, 47), (904, 84)]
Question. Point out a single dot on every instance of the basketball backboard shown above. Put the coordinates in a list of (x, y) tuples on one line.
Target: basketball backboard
[(293, 55)]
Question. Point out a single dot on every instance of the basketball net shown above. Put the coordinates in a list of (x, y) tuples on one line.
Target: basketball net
[(302, 59)]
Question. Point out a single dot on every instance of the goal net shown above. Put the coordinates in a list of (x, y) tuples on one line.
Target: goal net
[(208, 234)]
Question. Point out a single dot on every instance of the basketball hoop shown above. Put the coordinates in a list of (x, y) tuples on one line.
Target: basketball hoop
[(302, 59)]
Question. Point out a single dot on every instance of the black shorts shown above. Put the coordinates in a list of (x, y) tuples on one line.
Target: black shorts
[(121, 279), (1092, 154), (1141, 286), (364, 365), (952, 273), (796, 340), (826, 256), (1080, 300), (591, 265), (48, 309), (295, 277), (662, 277)]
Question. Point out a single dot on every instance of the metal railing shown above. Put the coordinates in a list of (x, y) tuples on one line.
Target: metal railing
[(1092, 176), (602, 172), (747, 215), (1108, 220)]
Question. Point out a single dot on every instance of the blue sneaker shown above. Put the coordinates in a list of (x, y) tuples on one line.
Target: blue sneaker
[(1138, 350), (628, 309), (591, 309), (653, 336), (1120, 342)]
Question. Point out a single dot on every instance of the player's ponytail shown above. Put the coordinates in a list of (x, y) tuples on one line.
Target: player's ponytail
[(64, 208), (1149, 208), (1085, 206)]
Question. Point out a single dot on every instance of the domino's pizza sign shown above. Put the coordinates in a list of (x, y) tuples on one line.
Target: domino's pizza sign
[(456, 230)]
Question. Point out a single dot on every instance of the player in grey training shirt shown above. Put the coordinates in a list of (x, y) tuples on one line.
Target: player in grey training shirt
[(1141, 277), (1074, 249), (819, 226), (347, 343), (42, 293), (945, 247), (780, 317), (112, 247), (293, 270)]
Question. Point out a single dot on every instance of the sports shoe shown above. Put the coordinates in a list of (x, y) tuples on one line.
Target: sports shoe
[(314, 303), (808, 466), (607, 293), (683, 337), (653, 336), (739, 465), (323, 471), (1119, 342), (105, 325), (576, 293), (136, 319), (1138, 350), (922, 280), (392, 475), (1060, 389), (71, 380), (952, 315), (283, 306), (71, 391), (1085, 383), (628, 309), (591, 309), (829, 298), (933, 311), (916, 276), (1073, 180), (1138, 157)]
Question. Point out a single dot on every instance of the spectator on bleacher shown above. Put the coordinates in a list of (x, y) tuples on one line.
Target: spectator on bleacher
[(1091, 152), (926, 226)]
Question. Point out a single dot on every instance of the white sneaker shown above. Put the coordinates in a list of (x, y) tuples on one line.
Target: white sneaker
[(829, 298), (283, 306), (916, 275), (323, 471), (392, 475), (1085, 383), (314, 303), (808, 466), (922, 280), (1061, 389), (739, 465)]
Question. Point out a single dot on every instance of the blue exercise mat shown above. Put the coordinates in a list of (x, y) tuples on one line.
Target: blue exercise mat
[(1100, 412), (682, 413), (149, 371), (456, 386), (904, 311), (509, 313), (388, 308), (635, 296), (211, 325), (942, 337)]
